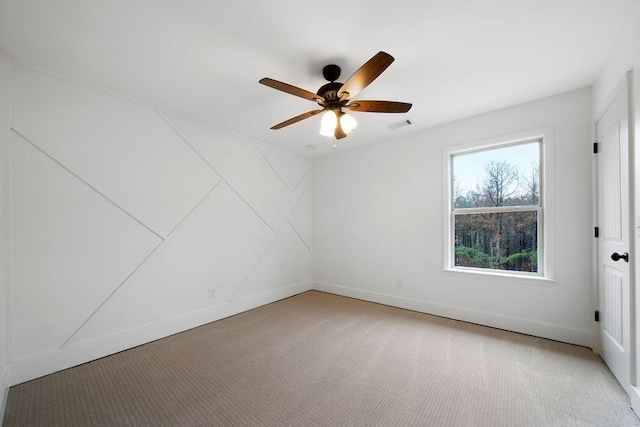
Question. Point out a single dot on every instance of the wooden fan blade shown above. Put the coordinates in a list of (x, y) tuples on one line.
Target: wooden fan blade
[(366, 74), (296, 119), (379, 106), (293, 90)]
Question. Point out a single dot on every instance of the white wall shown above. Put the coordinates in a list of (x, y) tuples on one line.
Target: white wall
[(378, 216), (5, 245), (627, 58), (125, 216)]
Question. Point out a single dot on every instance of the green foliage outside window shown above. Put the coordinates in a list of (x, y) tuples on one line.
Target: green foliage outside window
[(496, 222)]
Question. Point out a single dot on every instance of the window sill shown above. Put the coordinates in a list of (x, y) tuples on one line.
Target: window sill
[(499, 276)]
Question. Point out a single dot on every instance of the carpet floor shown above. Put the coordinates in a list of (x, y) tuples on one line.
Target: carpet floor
[(317, 359)]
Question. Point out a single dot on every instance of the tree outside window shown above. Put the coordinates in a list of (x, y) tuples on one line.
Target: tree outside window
[(496, 208)]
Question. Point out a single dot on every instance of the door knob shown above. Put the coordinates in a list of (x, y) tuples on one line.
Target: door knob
[(616, 256)]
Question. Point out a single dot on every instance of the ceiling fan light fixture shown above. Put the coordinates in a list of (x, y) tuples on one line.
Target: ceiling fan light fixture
[(348, 123), (328, 123)]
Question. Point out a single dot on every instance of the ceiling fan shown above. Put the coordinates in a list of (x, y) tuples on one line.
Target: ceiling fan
[(335, 96)]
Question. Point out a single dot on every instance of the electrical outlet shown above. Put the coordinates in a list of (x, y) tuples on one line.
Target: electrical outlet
[(399, 283), (212, 292)]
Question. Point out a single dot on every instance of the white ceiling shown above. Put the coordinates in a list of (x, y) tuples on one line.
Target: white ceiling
[(203, 58)]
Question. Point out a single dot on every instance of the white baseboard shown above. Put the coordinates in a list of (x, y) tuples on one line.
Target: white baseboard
[(634, 397), (82, 352), (500, 321)]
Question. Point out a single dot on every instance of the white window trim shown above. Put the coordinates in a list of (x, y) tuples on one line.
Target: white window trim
[(547, 185)]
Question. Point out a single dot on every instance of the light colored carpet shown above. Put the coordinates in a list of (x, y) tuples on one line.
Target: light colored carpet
[(322, 360)]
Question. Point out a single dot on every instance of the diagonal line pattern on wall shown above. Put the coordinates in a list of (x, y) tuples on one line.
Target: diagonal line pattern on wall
[(162, 116), (86, 183), (257, 261), (271, 165), (65, 234), (121, 148), (195, 207), (218, 243), (94, 168), (271, 241), (250, 207), (214, 170), (68, 340), (291, 218), (298, 234), (290, 169), (239, 162), (285, 248), (287, 207), (66, 343)]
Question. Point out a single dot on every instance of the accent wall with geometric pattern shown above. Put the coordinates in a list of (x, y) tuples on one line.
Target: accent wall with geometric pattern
[(129, 223)]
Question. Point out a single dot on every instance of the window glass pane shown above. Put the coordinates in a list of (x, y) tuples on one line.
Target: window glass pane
[(502, 241), (505, 176)]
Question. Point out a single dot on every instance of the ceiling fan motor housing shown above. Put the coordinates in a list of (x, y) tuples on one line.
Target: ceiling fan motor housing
[(330, 92)]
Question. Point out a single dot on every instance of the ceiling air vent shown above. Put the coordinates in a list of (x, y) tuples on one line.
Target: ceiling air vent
[(399, 124)]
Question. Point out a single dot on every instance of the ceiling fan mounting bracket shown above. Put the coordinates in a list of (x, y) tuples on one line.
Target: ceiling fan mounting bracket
[(331, 72)]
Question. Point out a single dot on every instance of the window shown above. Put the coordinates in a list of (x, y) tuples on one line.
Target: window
[(498, 207)]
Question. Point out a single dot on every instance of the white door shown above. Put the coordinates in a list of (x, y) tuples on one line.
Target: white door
[(612, 165)]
